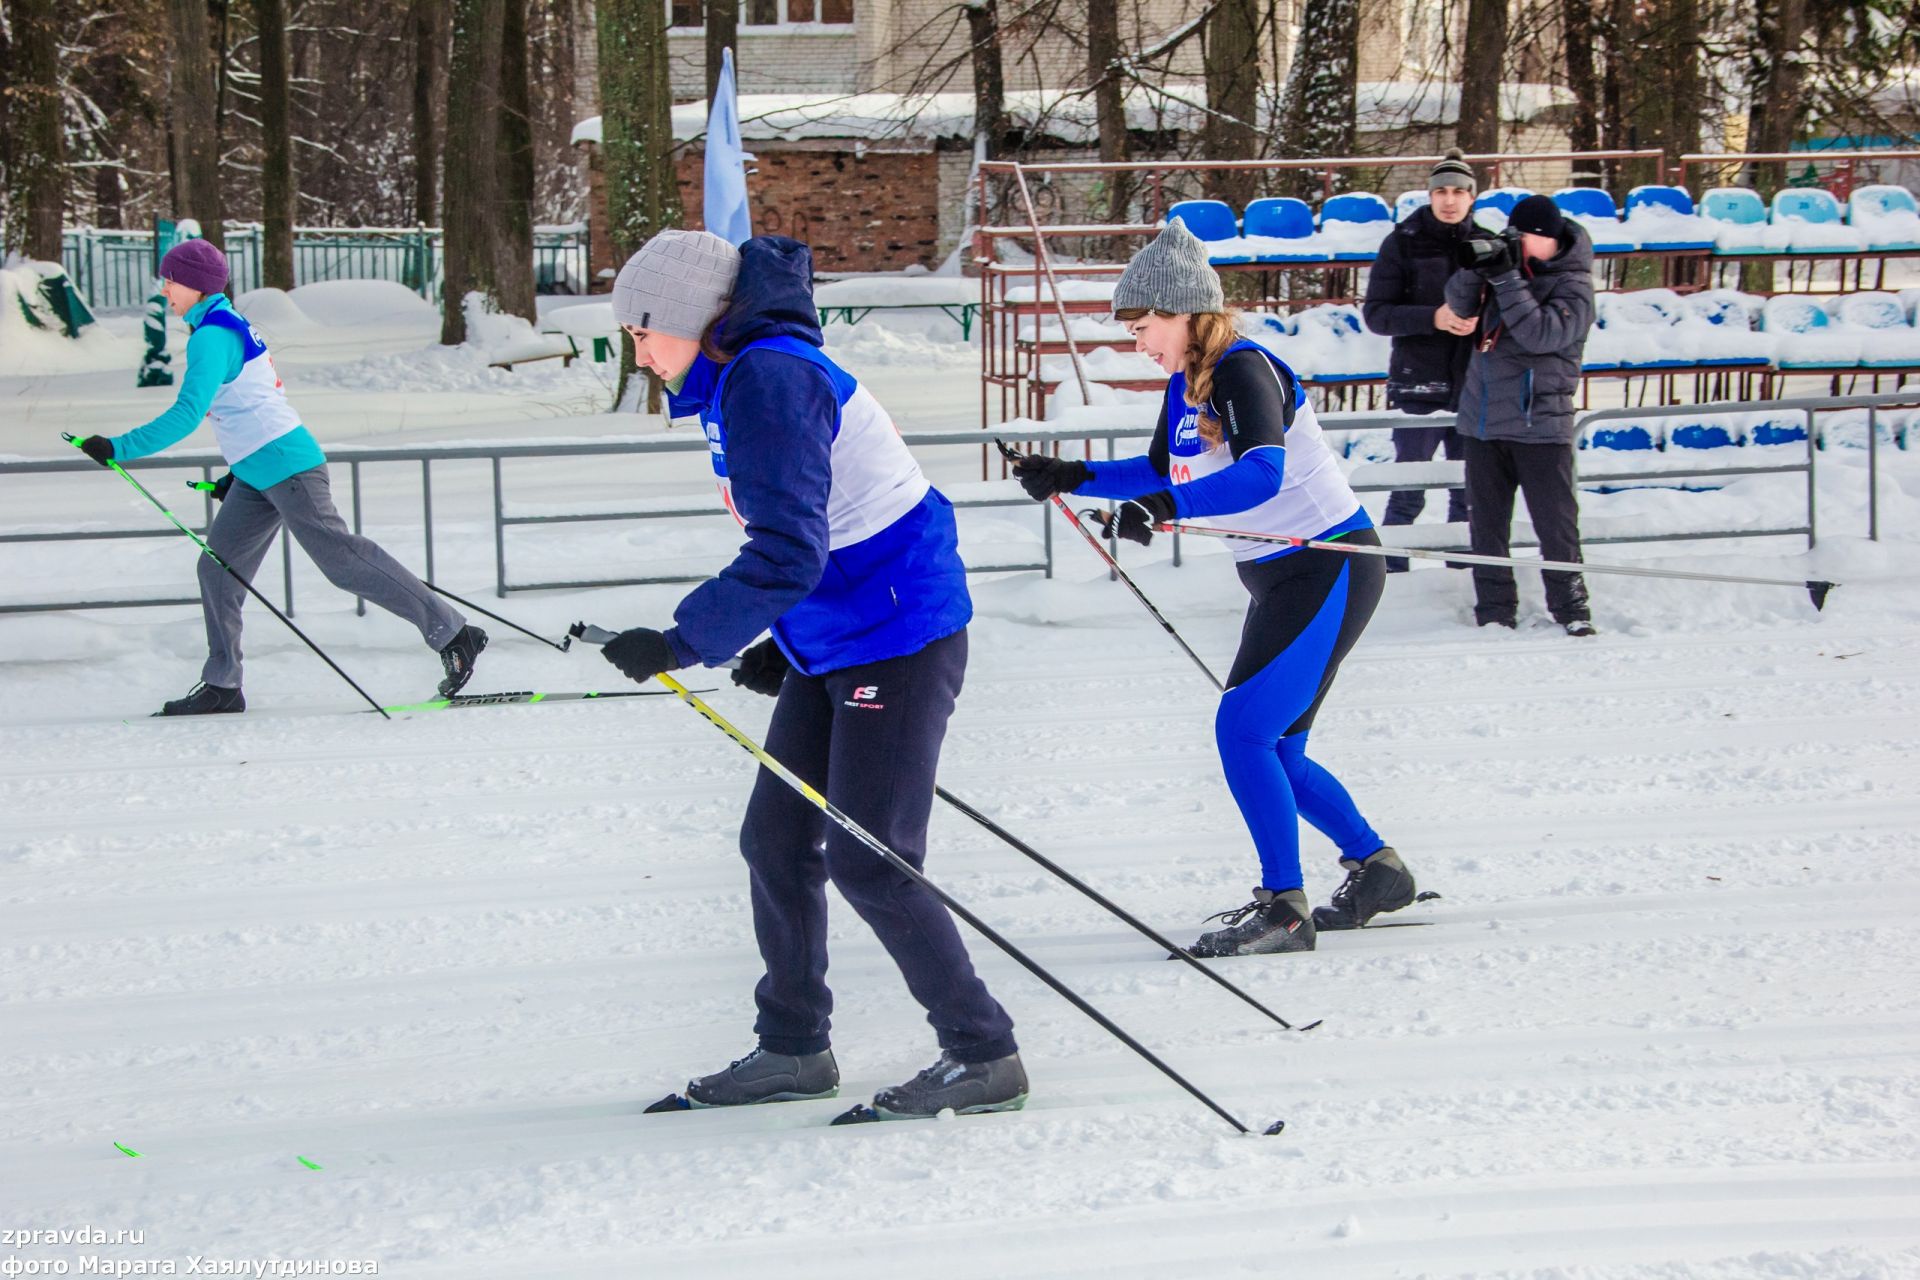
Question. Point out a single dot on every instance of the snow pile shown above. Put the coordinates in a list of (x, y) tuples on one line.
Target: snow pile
[(28, 348), (275, 314), (352, 303), (934, 343)]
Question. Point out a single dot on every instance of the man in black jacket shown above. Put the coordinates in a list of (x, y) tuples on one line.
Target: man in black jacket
[(1516, 414), (1407, 301)]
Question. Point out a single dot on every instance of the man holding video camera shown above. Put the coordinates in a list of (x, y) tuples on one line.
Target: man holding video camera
[(1532, 288)]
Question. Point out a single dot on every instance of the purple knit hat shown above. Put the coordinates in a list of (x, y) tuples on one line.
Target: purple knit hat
[(197, 265)]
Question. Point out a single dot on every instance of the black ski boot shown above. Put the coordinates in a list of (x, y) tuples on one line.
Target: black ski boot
[(1272, 922), (1379, 883), (966, 1088), (762, 1076), (205, 700), (458, 658)]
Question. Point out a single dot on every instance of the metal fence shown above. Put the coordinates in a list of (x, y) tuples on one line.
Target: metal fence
[(115, 270), (701, 505)]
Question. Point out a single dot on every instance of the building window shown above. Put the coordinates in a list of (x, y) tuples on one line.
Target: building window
[(691, 15)]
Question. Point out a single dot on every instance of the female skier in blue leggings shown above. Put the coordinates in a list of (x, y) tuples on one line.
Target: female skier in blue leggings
[(1239, 441)]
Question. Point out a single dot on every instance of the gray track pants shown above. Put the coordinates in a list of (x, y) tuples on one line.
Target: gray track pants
[(244, 529)]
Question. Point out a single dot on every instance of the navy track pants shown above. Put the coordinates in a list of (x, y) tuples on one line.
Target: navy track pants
[(868, 738)]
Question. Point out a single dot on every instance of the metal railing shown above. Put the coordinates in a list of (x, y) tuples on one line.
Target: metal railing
[(114, 270), (965, 497)]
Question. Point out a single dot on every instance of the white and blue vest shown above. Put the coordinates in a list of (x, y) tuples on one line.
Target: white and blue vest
[(1314, 495), (894, 581), (252, 411)]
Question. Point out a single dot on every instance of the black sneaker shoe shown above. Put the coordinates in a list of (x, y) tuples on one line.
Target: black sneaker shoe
[(205, 700), (763, 1076), (1510, 623), (1271, 923), (1582, 628), (1378, 883), (458, 658), (968, 1088)]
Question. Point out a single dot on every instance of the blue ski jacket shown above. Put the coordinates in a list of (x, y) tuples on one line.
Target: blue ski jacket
[(851, 557)]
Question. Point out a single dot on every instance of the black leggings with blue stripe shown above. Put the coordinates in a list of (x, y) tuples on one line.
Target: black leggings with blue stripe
[(1308, 609)]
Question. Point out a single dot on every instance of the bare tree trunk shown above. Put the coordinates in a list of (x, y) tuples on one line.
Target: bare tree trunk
[(723, 31), (1483, 58), (989, 80), (196, 153), (1109, 101), (513, 242), (278, 194), (1317, 106), (425, 16), (37, 171), (1232, 67), (473, 159), (1777, 71), (1577, 20), (636, 148)]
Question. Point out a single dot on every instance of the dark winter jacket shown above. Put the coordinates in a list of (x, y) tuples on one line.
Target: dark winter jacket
[(1407, 283), (1533, 325)]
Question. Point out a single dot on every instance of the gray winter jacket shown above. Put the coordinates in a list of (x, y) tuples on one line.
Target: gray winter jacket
[(1522, 386)]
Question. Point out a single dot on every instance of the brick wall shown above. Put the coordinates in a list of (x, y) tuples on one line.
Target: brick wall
[(861, 210)]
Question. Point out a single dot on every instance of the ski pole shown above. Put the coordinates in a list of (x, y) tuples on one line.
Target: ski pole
[(1113, 908), (562, 645), (1104, 554), (1815, 588), (599, 635), (235, 574), (773, 766)]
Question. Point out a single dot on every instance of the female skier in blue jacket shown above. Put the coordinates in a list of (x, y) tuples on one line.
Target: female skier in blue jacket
[(852, 564), (1238, 440)]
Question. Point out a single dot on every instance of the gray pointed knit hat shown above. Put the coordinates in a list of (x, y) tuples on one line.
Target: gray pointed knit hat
[(1172, 274), (677, 283)]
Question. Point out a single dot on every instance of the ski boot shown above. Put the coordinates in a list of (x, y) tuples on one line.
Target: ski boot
[(1378, 883), (763, 1076), (458, 658), (965, 1088), (1271, 923), (205, 700)]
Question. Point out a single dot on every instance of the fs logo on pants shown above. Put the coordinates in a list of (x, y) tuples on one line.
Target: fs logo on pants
[(865, 698)]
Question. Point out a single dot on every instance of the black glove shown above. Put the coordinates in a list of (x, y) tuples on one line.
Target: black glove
[(763, 669), (1042, 477), (641, 654), (216, 490), (1134, 520), (99, 448)]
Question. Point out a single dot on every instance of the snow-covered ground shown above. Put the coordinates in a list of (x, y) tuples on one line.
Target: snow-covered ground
[(1663, 1024)]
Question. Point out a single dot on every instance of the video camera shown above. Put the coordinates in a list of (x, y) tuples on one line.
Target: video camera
[(1490, 252)]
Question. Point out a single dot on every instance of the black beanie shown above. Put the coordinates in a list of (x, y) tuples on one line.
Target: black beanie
[(1538, 215)]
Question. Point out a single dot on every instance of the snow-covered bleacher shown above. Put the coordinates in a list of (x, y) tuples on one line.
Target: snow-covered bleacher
[(1727, 222)]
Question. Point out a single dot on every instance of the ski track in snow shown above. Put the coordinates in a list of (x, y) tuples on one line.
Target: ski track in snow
[(1663, 1023)]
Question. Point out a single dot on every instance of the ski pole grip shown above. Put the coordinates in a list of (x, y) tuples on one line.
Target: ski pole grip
[(590, 633)]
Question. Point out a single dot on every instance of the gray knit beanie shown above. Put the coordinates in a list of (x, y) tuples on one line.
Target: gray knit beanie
[(676, 284), (1452, 171), (1172, 274)]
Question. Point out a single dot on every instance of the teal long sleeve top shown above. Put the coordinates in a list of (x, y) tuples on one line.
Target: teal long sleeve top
[(214, 358)]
